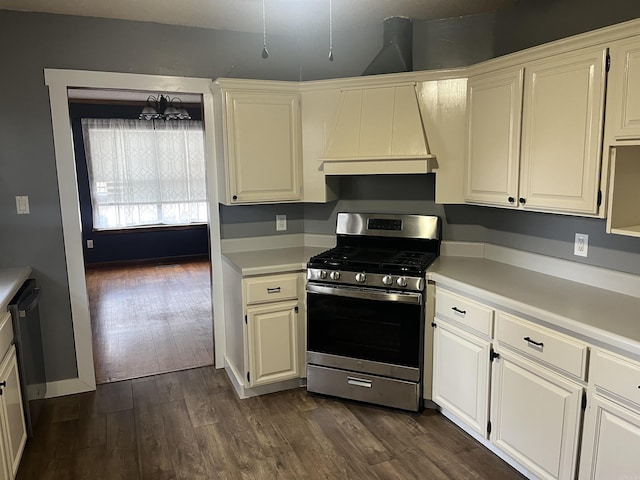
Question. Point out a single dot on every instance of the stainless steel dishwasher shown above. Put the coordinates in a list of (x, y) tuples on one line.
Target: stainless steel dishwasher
[(28, 341)]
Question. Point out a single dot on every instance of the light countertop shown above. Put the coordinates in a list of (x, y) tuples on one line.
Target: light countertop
[(599, 316), (11, 279), (278, 260)]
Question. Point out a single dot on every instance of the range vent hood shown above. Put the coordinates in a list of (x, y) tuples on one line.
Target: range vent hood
[(378, 130)]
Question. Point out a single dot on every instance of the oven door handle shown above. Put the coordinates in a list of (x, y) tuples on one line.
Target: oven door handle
[(366, 294)]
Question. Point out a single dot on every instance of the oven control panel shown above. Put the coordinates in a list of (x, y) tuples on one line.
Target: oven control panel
[(377, 280)]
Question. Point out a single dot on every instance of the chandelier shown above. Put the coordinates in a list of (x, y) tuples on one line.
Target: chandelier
[(164, 107)]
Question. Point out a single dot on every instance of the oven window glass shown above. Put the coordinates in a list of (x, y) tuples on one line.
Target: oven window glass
[(380, 331)]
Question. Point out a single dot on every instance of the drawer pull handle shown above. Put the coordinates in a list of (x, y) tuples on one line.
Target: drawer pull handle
[(359, 382), (273, 290), (533, 342), (457, 310)]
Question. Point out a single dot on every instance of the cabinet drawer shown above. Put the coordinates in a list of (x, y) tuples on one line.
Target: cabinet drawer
[(616, 374), (543, 344), (271, 288), (6, 333), (473, 315)]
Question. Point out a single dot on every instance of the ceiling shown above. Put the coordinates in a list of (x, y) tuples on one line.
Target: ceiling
[(282, 16)]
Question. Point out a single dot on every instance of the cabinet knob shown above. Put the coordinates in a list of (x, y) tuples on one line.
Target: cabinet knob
[(235, 197), (522, 200), (511, 199)]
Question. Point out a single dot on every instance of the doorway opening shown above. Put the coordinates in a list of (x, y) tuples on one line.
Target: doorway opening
[(142, 198), (59, 82)]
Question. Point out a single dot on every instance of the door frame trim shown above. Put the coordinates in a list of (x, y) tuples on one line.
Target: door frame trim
[(58, 81)]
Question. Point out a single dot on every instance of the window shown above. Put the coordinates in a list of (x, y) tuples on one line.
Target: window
[(145, 173)]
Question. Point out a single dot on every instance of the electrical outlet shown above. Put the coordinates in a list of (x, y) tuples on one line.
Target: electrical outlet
[(22, 205), (281, 222), (581, 245), (89, 243)]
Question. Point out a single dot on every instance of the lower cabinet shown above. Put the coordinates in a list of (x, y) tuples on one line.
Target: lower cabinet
[(515, 383), (13, 433), (611, 438), (535, 416), (461, 368), (265, 330), (272, 341)]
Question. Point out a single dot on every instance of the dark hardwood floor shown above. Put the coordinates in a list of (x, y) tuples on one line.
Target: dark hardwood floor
[(191, 425), (150, 319)]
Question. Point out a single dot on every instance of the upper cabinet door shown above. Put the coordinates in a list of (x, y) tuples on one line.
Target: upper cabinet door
[(263, 146), (623, 96), (562, 132), (493, 137)]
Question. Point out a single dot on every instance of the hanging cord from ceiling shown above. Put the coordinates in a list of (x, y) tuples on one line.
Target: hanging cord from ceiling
[(330, 32), (265, 52)]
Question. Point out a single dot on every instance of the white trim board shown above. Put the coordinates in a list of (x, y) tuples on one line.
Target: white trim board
[(58, 82)]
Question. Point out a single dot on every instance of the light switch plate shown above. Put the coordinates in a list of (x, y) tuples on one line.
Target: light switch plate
[(281, 222), (22, 205)]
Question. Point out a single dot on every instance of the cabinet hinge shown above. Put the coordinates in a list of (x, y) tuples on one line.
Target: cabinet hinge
[(608, 64), (488, 427), (493, 355), (599, 197), (249, 377), (433, 324), (296, 309), (584, 401)]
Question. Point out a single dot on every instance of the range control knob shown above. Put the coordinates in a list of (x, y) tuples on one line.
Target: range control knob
[(334, 275), (387, 280), (322, 274), (360, 277), (402, 281)]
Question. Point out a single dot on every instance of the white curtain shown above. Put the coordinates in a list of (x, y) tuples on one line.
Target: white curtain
[(145, 172)]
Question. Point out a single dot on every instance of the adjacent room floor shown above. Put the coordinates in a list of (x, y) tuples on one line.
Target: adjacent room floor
[(191, 425), (150, 319)]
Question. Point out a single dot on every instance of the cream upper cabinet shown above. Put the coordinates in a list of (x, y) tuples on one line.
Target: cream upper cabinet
[(493, 137), (261, 142), (535, 134), (623, 91), (622, 132), (562, 123)]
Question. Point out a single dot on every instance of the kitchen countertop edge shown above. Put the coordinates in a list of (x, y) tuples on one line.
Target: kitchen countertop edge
[(271, 261), (595, 315)]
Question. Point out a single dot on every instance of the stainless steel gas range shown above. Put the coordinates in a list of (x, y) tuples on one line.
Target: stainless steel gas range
[(366, 309)]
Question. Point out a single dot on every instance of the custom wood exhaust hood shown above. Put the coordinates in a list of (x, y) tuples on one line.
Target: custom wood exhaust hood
[(379, 130)]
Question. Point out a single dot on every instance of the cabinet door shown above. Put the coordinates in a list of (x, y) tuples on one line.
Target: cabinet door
[(461, 374), (611, 441), (493, 137), (12, 426), (535, 416), (562, 132), (263, 146), (272, 343), (623, 91)]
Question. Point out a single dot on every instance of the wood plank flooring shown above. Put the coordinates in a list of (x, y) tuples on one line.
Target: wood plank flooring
[(150, 319), (191, 425)]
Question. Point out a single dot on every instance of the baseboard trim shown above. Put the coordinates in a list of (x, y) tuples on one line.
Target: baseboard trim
[(149, 261), (69, 386)]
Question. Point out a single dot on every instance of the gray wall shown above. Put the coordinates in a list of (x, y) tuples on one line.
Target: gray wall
[(31, 42)]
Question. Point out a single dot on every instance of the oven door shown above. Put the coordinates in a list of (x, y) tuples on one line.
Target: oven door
[(377, 330)]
